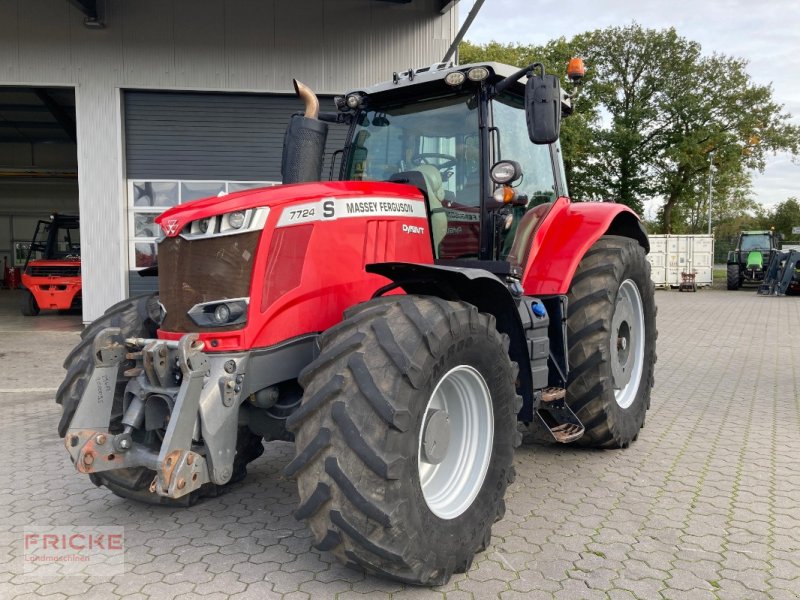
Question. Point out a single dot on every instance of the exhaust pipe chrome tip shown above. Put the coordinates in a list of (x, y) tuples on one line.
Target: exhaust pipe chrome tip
[(308, 96)]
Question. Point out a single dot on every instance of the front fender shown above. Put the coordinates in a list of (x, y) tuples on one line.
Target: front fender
[(566, 234), (477, 287)]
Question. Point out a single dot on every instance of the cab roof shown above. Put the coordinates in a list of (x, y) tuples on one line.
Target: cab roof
[(437, 72), (425, 80)]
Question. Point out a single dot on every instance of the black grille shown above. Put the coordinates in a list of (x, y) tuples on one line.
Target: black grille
[(202, 270), (53, 271)]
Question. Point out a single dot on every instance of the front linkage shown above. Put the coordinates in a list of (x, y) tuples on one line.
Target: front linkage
[(166, 395)]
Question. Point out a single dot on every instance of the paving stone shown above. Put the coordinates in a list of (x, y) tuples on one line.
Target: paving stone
[(695, 594), (353, 595), (319, 589), (782, 594), (261, 590), (686, 581), (532, 580), (752, 579), (483, 589), (287, 582), (532, 595), (642, 588), (196, 596), (227, 583), (167, 591), (130, 584), (573, 589)]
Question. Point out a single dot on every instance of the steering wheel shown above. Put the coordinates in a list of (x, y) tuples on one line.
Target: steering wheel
[(424, 158), (444, 162)]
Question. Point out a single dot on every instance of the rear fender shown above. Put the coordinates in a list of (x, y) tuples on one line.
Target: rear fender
[(566, 234), (474, 286)]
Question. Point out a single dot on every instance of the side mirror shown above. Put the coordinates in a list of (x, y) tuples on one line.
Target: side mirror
[(543, 108)]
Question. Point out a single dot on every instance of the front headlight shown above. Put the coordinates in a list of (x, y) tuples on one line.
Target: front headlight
[(505, 171), (220, 313), (237, 221)]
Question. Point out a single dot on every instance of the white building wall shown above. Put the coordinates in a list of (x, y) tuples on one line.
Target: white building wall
[(213, 45)]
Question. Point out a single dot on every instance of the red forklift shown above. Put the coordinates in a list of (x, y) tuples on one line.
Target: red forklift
[(51, 275)]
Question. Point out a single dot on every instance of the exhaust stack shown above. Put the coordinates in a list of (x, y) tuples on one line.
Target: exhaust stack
[(304, 141), (309, 97)]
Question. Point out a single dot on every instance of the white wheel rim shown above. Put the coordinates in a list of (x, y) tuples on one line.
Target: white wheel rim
[(627, 343), (455, 442)]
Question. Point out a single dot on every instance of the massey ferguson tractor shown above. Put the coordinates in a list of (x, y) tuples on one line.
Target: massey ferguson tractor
[(402, 324)]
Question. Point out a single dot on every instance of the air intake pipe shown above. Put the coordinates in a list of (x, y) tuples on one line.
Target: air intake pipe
[(304, 141)]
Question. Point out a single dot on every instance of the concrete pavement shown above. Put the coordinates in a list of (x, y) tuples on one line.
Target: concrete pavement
[(706, 504)]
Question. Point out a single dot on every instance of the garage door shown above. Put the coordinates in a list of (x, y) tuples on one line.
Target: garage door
[(184, 146)]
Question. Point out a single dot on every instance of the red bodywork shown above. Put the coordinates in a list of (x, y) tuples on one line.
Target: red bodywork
[(307, 273), (318, 265), (561, 240), (52, 288)]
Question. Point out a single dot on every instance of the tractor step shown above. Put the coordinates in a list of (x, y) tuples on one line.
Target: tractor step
[(557, 417)]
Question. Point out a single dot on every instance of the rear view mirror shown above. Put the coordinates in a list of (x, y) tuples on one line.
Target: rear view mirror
[(543, 108)]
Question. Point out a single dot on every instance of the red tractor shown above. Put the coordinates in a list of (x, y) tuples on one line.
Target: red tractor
[(400, 324), (52, 271)]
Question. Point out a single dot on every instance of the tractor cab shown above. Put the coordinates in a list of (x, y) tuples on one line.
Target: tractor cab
[(463, 136)]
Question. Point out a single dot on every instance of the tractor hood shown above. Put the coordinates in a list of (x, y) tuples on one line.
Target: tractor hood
[(173, 222)]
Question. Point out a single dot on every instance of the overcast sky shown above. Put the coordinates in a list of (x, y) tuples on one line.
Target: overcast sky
[(765, 32)]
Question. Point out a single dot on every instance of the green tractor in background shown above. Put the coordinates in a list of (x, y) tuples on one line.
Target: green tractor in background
[(748, 262)]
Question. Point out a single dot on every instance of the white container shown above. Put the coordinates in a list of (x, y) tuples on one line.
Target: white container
[(671, 255)]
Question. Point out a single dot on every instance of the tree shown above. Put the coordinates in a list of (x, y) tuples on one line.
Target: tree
[(630, 65), (654, 116), (783, 217), (577, 137), (718, 116)]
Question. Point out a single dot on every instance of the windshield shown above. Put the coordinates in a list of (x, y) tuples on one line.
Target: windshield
[(439, 139), (755, 242), (441, 132)]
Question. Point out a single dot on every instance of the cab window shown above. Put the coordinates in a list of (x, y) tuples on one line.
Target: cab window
[(441, 132), (538, 181)]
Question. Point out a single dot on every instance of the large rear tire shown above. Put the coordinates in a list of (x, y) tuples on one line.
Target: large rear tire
[(612, 342), (405, 437), (28, 304), (135, 317), (734, 278)]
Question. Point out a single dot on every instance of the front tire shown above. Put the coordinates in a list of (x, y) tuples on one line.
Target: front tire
[(28, 304), (405, 437), (612, 342), (734, 279), (136, 317)]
